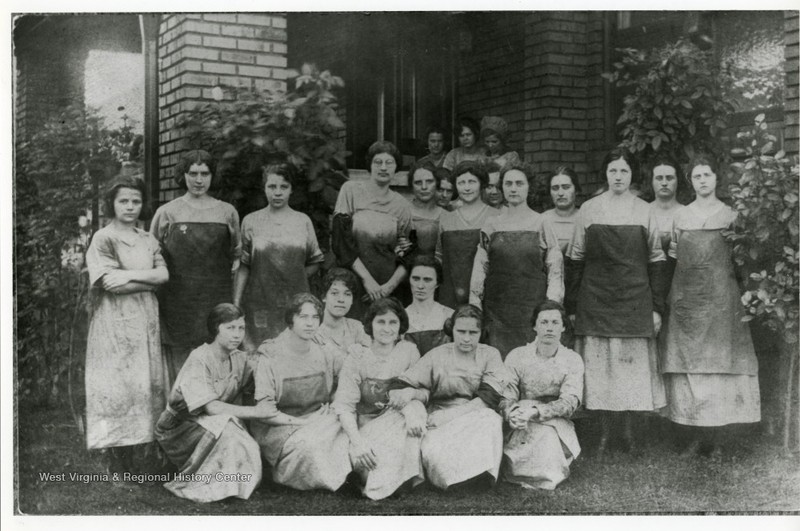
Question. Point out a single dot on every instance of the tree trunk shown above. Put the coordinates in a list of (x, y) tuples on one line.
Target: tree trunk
[(791, 399)]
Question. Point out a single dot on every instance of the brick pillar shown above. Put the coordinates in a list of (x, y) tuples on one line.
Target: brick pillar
[(201, 51), (557, 118), (790, 106)]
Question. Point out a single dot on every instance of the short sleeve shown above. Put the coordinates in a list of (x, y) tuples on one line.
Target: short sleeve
[(513, 372), (420, 375), (575, 250), (345, 202), (196, 384), (494, 372), (160, 223), (654, 238), (266, 381), (348, 393), (158, 258), (247, 240), (450, 160), (101, 257), (235, 231), (573, 382)]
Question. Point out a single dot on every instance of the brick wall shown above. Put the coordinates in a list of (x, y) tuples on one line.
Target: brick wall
[(791, 128), (491, 76), (201, 51)]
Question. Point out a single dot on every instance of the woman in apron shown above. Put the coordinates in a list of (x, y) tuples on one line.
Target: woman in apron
[(371, 227), (518, 265), (299, 434), (563, 186), (201, 431), (200, 239), (545, 387), (425, 213), (426, 317), (279, 253), (460, 232), (616, 288), (462, 383), (384, 442), (709, 364), (126, 376)]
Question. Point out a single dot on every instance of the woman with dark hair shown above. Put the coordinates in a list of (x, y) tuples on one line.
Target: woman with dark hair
[(371, 222), (494, 132), (518, 264), (436, 153), (299, 435), (563, 186), (664, 188), (445, 189), (709, 364), (462, 383), (459, 233), (126, 377), (201, 242), (426, 316), (617, 282), (279, 253), (425, 213), (384, 442), (545, 388), (469, 149), (337, 329), (201, 430)]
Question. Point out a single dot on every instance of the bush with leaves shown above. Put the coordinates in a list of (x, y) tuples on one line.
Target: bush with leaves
[(58, 172), (765, 246), (677, 103), (247, 129)]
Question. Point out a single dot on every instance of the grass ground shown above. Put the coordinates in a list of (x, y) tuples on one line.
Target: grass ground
[(752, 475)]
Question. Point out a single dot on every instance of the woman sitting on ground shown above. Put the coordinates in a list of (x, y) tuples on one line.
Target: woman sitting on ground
[(426, 317), (201, 430), (545, 388), (462, 384), (384, 442), (299, 435)]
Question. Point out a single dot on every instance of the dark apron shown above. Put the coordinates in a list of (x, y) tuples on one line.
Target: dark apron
[(704, 331), (427, 234), (458, 252), (373, 391), (427, 340), (199, 259), (381, 262), (515, 284), (301, 395), (614, 299)]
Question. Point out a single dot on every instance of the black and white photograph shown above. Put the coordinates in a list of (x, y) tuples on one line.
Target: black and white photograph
[(494, 261)]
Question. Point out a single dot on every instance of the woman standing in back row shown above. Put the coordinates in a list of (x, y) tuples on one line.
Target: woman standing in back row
[(709, 364), (617, 281), (201, 242)]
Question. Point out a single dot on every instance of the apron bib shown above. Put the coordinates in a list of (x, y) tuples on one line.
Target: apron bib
[(614, 298), (704, 332), (199, 260), (427, 340), (458, 252), (515, 284), (427, 234)]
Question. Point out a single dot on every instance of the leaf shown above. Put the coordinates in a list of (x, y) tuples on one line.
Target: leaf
[(656, 143), (686, 104)]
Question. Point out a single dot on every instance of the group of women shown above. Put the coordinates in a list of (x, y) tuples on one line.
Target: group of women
[(440, 342)]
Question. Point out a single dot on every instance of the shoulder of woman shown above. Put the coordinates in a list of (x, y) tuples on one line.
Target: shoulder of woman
[(269, 349), (357, 352), (407, 348), (572, 357), (488, 351)]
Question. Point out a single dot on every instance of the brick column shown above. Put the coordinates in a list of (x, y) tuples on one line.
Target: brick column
[(201, 51), (790, 106), (556, 90)]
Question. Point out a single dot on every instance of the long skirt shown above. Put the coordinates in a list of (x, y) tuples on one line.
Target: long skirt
[(463, 448), (398, 456), (712, 399), (126, 375), (212, 467), (539, 455), (621, 374), (312, 456)]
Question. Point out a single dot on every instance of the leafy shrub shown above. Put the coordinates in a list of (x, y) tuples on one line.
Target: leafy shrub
[(247, 129), (58, 172)]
